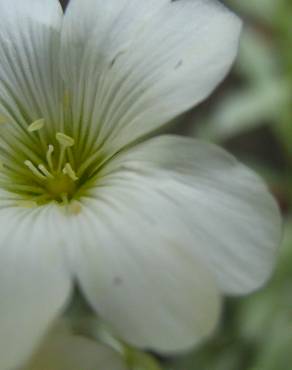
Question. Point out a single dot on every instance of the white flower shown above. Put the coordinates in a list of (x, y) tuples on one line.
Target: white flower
[(153, 233), (63, 350)]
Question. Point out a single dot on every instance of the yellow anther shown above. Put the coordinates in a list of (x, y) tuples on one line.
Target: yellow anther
[(36, 125), (65, 140), (68, 170)]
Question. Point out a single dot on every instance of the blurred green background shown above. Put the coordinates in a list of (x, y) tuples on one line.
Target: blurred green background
[(251, 116)]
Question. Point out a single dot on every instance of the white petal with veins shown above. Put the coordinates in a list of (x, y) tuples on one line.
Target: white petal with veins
[(34, 280), (133, 65)]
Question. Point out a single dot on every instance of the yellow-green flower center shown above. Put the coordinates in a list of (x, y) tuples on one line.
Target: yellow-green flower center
[(56, 176), (38, 167)]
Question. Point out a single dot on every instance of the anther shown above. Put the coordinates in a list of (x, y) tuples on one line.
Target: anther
[(64, 140), (68, 170), (34, 170), (36, 125)]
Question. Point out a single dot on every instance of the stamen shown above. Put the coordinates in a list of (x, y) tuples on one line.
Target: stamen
[(65, 143), (13, 169), (45, 171), (37, 167), (34, 170), (64, 140), (68, 170), (50, 157), (36, 125)]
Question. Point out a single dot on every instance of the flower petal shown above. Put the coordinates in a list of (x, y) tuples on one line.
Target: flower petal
[(133, 65), (34, 284), (63, 350), (218, 207), (30, 84), (152, 292), (165, 218)]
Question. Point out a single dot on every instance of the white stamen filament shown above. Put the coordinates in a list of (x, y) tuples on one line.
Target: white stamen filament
[(50, 157), (34, 170), (44, 170), (12, 169)]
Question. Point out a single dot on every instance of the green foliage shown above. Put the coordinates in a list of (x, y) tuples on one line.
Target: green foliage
[(264, 67), (138, 360), (256, 333)]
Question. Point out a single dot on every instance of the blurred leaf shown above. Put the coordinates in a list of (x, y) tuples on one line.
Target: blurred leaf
[(258, 313), (224, 352), (258, 59), (263, 10), (266, 96), (283, 129), (276, 354), (240, 111)]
